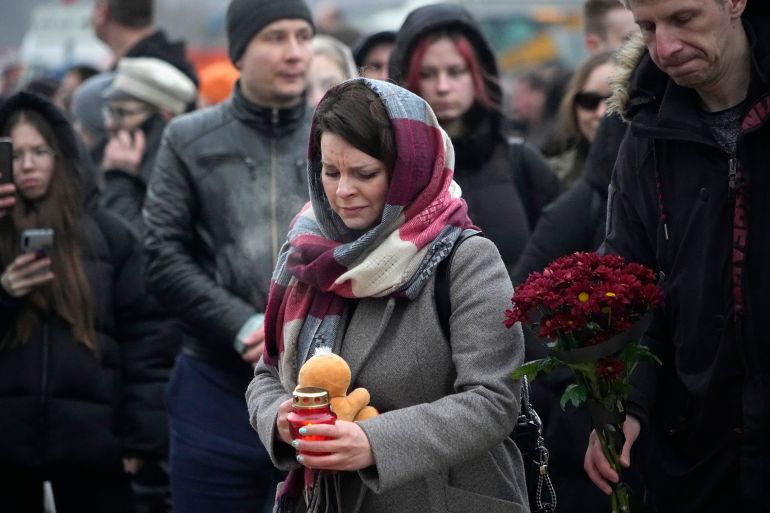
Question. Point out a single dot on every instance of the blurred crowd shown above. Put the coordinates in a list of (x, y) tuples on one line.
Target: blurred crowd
[(509, 164), (127, 347)]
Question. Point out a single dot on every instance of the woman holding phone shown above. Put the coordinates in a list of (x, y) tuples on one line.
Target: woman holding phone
[(74, 325)]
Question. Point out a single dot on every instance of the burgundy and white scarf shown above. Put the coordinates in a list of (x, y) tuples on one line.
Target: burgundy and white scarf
[(317, 272)]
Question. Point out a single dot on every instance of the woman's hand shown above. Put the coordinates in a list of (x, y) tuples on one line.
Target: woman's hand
[(20, 277), (132, 465), (282, 422), (347, 446)]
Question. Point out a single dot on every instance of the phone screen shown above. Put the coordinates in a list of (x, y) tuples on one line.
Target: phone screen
[(6, 160)]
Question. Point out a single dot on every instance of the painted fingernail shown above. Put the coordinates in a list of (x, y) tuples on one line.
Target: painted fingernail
[(295, 443), (300, 458), (303, 431)]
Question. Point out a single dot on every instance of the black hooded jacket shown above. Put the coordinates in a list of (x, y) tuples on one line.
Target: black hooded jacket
[(575, 221), (505, 182), (62, 405), (157, 45), (681, 205)]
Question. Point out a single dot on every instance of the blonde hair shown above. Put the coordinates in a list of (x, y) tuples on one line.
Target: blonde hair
[(337, 51)]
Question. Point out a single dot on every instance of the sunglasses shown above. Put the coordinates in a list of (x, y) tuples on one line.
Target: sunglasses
[(589, 101)]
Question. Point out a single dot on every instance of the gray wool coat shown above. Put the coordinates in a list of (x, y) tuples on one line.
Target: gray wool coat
[(441, 442)]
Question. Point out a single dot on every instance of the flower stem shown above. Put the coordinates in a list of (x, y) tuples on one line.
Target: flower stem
[(611, 438)]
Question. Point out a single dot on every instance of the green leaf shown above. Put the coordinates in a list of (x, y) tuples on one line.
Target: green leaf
[(574, 394), (535, 367), (635, 352)]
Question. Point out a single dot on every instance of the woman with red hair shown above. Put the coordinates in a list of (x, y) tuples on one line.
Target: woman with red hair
[(441, 54)]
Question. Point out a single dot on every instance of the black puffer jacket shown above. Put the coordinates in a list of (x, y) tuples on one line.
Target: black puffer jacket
[(680, 204), (228, 181), (60, 405), (505, 182), (575, 221)]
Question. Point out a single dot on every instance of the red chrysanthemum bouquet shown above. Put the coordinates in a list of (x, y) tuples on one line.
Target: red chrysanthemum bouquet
[(591, 310)]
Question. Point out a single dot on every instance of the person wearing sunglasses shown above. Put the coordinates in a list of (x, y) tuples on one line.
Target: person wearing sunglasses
[(574, 222), (580, 113)]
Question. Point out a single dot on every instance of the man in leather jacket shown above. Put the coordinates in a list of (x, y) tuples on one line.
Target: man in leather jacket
[(227, 182)]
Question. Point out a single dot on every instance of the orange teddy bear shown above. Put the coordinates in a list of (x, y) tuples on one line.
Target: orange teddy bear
[(332, 373)]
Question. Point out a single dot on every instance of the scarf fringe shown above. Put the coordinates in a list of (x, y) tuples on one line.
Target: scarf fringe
[(322, 495)]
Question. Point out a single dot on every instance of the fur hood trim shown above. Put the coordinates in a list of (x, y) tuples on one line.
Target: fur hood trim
[(626, 60)]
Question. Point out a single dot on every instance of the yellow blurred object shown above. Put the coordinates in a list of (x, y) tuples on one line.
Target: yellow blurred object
[(555, 16), (539, 49)]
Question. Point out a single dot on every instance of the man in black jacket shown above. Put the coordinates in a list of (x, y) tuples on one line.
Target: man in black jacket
[(126, 27), (688, 198), (227, 182)]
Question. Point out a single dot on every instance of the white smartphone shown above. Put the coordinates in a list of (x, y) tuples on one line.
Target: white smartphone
[(38, 240)]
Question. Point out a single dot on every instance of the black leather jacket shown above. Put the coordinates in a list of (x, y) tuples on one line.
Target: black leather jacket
[(227, 182)]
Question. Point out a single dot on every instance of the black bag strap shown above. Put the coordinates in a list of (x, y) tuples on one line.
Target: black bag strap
[(542, 494)]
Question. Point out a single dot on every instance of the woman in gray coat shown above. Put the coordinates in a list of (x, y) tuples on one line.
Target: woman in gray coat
[(357, 276)]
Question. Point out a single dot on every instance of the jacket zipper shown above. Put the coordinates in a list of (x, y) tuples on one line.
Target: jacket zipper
[(251, 165), (273, 191), (731, 176)]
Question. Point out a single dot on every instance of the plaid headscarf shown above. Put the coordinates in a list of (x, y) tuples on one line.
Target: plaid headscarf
[(317, 272)]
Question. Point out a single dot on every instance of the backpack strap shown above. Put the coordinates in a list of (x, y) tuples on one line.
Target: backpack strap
[(443, 304)]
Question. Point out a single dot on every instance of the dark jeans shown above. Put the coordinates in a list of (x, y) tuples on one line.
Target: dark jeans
[(73, 492), (218, 464)]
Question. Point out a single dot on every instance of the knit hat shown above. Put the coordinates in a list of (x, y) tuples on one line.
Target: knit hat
[(153, 81), (245, 18)]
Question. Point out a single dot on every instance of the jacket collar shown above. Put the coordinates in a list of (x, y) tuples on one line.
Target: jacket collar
[(267, 120)]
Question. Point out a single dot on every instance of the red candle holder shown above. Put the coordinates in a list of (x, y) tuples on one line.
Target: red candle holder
[(310, 406)]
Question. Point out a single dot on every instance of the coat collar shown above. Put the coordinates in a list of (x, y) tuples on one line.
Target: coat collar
[(267, 120), (367, 327)]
